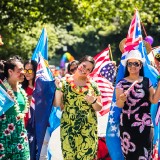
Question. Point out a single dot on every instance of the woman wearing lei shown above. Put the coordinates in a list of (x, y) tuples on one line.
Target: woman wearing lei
[(13, 135), (80, 99)]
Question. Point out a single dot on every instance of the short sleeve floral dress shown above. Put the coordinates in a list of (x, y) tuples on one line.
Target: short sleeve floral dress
[(136, 131), (13, 135), (78, 122)]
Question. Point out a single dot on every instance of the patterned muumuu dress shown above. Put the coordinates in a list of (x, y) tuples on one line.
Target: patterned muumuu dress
[(78, 125), (136, 130), (13, 136)]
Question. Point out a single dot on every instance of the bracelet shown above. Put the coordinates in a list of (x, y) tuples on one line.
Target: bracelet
[(94, 101), (59, 89)]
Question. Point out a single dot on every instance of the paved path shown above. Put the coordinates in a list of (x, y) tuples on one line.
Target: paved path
[(55, 145)]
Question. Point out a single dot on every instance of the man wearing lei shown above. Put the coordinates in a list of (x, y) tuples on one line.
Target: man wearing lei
[(13, 136)]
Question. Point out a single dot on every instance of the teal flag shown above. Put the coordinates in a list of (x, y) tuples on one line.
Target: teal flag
[(5, 101)]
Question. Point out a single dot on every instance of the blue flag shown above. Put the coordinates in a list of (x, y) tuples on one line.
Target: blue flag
[(42, 46), (134, 41), (5, 101), (42, 98), (40, 109), (54, 119)]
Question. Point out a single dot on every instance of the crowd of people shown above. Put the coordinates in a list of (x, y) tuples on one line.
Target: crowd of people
[(79, 98)]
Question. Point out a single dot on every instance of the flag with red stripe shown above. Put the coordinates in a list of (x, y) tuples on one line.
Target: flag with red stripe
[(105, 86), (101, 60), (106, 89)]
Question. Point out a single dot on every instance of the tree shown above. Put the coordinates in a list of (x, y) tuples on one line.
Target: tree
[(99, 22)]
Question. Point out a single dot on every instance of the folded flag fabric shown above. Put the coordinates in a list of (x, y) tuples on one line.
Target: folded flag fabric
[(54, 119), (6, 101), (103, 75)]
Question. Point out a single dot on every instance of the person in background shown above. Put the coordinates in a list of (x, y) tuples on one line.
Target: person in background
[(81, 99), (72, 67), (13, 135), (30, 67), (62, 72), (136, 130)]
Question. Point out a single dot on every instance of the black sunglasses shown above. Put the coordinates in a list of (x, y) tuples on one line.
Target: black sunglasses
[(135, 64)]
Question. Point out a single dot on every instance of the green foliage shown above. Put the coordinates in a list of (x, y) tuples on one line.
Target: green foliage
[(94, 24)]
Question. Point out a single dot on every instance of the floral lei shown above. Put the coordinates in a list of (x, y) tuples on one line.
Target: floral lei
[(16, 105), (78, 89)]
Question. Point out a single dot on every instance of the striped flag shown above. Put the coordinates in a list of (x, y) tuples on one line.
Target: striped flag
[(101, 60), (105, 86), (106, 89)]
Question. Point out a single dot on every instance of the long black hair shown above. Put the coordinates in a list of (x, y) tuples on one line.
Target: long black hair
[(141, 72), (34, 65)]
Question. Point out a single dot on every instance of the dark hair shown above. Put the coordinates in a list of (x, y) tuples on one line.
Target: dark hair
[(2, 65), (89, 59), (2, 69), (34, 65), (11, 64), (70, 64), (141, 72)]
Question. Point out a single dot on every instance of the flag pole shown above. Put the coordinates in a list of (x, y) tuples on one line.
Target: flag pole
[(146, 36), (110, 52)]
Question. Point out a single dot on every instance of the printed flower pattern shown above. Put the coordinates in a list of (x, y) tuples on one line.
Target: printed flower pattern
[(2, 117), (78, 123), (145, 121), (2, 155), (20, 146), (1, 146), (136, 130), (127, 146), (11, 127), (147, 155), (6, 132)]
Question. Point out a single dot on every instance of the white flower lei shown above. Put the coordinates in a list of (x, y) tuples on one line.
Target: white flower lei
[(16, 105)]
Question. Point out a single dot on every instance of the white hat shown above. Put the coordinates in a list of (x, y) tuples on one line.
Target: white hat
[(133, 54)]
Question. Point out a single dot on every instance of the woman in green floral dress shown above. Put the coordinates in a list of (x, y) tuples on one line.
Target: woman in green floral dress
[(13, 136), (80, 99)]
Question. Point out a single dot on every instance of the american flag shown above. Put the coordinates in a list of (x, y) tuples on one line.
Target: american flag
[(101, 60), (106, 89), (105, 86), (109, 71)]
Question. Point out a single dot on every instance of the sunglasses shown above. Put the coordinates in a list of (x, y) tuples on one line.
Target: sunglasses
[(30, 71), (135, 64), (73, 69)]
